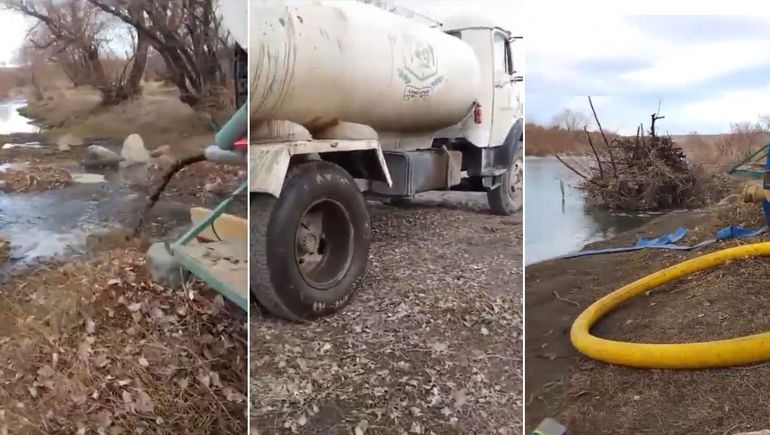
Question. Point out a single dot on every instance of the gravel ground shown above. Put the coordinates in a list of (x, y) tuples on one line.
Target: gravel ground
[(431, 343)]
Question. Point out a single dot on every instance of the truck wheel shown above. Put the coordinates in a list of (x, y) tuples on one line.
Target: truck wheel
[(508, 198), (310, 245)]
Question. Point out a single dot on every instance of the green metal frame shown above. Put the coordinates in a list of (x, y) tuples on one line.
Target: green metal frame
[(749, 172), (196, 268)]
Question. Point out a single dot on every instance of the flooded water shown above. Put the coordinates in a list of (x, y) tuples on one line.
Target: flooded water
[(11, 121), (57, 223), (556, 224)]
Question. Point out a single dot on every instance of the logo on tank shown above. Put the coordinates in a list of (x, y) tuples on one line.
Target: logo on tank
[(420, 71)]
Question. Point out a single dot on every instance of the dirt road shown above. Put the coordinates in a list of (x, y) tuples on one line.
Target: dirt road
[(597, 398), (430, 344)]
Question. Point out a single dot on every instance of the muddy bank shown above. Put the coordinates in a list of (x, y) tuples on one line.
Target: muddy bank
[(593, 397), (158, 115), (430, 344)]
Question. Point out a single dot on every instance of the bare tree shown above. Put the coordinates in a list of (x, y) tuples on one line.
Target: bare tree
[(72, 33), (570, 120), (186, 34)]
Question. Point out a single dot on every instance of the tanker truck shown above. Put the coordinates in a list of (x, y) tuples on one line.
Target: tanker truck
[(350, 102)]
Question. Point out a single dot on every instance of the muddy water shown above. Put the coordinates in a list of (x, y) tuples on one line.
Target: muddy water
[(556, 224), (57, 223)]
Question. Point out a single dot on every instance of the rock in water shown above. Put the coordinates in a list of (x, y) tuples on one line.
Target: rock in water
[(134, 151), (100, 157)]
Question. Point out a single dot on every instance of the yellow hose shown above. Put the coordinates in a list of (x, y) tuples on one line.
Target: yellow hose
[(720, 353)]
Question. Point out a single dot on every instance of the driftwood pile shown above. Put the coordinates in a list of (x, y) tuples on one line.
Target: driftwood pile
[(641, 173)]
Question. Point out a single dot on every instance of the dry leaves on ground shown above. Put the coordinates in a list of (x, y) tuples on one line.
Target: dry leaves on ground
[(431, 343), (95, 346)]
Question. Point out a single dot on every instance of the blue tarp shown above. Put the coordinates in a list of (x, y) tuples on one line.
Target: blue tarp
[(668, 241)]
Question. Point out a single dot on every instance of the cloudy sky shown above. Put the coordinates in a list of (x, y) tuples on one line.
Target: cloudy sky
[(14, 29), (708, 71)]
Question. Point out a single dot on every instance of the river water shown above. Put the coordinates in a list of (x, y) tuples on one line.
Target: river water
[(11, 121), (56, 223), (557, 224)]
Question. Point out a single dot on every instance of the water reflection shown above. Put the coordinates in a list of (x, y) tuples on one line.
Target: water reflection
[(556, 219), (11, 121)]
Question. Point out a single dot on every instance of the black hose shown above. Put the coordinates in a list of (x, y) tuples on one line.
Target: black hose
[(153, 198)]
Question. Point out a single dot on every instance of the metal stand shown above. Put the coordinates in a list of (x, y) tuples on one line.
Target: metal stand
[(201, 259)]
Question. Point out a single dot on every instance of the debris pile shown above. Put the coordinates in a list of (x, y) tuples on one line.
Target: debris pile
[(93, 346), (34, 179), (644, 172)]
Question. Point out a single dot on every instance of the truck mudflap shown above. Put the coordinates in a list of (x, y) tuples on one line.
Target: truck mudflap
[(270, 162)]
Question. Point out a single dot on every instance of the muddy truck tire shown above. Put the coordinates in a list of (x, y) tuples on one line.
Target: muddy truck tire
[(508, 198), (309, 246)]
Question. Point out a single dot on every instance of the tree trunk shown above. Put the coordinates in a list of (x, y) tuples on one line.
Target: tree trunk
[(134, 81)]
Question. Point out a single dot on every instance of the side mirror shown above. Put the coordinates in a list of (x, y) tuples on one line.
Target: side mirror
[(517, 79)]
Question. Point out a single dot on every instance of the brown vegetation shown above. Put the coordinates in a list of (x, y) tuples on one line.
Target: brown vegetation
[(96, 347), (703, 149), (73, 34), (188, 37), (158, 115), (640, 173), (34, 179), (181, 42), (725, 149)]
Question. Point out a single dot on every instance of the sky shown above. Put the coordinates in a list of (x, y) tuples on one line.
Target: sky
[(14, 29), (706, 71)]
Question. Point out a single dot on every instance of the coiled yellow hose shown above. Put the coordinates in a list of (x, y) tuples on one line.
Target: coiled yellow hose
[(720, 353)]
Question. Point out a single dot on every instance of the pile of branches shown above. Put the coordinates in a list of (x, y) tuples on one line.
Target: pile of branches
[(640, 173)]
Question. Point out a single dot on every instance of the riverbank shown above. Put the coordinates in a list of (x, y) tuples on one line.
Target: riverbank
[(593, 397), (90, 344), (158, 115)]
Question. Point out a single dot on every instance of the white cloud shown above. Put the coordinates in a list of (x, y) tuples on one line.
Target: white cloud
[(676, 65), (728, 107), (643, 66), (14, 30)]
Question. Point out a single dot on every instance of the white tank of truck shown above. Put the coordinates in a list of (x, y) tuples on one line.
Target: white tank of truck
[(351, 102), (320, 63)]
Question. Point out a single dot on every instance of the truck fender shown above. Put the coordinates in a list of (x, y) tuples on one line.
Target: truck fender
[(268, 169), (496, 160), (270, 163), (514, 137)]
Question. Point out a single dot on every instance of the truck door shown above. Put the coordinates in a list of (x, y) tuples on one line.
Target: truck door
[(503, 110)]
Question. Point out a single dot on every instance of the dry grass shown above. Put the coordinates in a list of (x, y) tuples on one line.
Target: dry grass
[(431, 343), (17, 81), (727, 301), (724, 149), (706, 149), (34, 179), (95, 346), (157, 115)]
